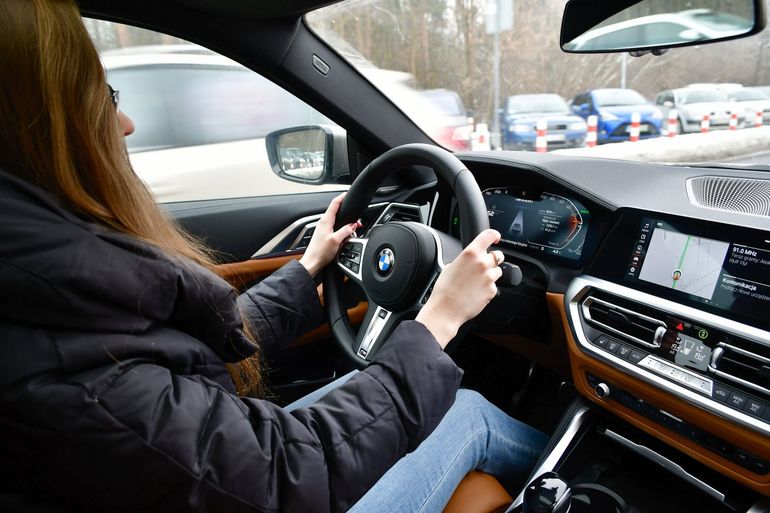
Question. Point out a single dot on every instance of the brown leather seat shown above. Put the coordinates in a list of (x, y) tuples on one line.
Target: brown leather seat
[(478, 493)]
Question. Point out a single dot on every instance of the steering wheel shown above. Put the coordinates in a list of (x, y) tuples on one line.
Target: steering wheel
[(398, 263)]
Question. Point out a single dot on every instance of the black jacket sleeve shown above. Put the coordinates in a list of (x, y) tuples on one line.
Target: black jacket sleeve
[(282, 307), (152, 440)]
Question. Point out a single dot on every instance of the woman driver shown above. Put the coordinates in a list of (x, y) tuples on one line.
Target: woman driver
[(127, 366)]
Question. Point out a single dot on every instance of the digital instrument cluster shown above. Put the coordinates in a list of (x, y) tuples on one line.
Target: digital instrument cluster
[(545, 222)]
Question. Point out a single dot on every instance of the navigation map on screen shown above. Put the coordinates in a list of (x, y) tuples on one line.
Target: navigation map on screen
[(684, 262)]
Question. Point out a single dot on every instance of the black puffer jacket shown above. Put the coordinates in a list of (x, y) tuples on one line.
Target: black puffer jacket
[(114, 394)]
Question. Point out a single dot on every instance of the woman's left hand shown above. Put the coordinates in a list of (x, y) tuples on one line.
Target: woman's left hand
[(325, 242)]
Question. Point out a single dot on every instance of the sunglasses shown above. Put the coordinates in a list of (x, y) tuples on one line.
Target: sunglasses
[(114, 97)]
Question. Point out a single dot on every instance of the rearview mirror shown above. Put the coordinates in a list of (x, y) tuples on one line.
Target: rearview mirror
[(308, 154), (633, 25)]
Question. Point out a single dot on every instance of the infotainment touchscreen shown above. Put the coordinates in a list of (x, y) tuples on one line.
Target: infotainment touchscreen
[(730, 275)]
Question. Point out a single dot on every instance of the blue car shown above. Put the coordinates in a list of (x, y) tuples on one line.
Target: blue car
[(614, 108), (519, 120)]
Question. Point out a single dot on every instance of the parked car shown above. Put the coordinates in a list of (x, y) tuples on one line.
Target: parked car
[(722, 86), (692, 104), (294, 158), (614, 109), (522, 112), (764, 89), (753, 101), (455, 129)]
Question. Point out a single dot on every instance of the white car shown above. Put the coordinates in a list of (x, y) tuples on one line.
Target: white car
[(692, 104), (752, 101), (200, 122)]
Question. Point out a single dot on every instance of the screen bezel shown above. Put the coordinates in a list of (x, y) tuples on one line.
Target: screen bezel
[(612, 257)]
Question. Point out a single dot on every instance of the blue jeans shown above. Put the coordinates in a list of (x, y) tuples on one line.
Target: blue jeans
[(474, 435)]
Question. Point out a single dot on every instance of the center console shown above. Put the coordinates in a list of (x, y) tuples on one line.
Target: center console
[(609, 466), (668, 332)]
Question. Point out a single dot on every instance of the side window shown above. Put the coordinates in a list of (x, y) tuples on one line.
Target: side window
[(201, 119)]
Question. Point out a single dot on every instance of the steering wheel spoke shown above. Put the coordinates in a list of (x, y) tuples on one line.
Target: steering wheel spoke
[(376, 327), (350, 257)]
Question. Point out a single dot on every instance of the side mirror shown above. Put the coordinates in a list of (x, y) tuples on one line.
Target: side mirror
[(309, 154)]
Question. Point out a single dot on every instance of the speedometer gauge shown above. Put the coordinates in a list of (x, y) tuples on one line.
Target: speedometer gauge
[(544, 222)]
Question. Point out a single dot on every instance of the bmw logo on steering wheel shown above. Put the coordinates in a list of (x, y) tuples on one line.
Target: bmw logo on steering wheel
[(385, 262)]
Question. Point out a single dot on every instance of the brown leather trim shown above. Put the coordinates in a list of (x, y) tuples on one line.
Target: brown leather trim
[(478, 493), (356, 315), (755, 443), (240, 274)]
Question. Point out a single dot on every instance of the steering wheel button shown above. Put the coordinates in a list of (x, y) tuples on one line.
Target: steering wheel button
[(383, 314), (354, 268)]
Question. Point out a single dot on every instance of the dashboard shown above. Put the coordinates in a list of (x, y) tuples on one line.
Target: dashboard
[(662, 303)]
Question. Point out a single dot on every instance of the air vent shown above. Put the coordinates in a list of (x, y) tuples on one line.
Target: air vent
[(745, 195), (746, 366), (405, 215), (632, 325), (400, 212)]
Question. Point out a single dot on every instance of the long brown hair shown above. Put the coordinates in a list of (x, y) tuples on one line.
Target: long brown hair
[(60, 131)]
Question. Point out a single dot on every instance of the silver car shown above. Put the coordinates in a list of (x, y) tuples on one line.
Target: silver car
[(751, 100), (692, 104)]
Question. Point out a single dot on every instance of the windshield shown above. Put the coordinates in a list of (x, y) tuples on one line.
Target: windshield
[(746, 95), (527, 104), (704, 96), (502, 57), (618, 97)]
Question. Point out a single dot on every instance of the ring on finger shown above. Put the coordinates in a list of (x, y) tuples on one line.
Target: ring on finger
[(498, 256)]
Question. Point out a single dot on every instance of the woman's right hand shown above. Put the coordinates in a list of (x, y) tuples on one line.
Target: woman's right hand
[(463, 288)]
